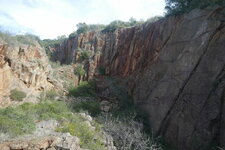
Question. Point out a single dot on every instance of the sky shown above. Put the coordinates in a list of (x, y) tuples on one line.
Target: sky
[(52, 18)]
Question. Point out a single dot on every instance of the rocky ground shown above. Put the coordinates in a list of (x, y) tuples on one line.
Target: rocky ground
[(46, 138)]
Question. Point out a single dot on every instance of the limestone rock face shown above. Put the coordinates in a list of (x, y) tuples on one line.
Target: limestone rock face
[(24, 67), (174, 69)]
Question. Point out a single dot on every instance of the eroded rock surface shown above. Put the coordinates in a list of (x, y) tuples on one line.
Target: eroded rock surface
[(5, 71), (174, 69), (23, 67)]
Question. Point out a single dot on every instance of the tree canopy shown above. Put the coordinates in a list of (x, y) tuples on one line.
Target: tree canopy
[(174, 7), (83, 27), (121, 24)]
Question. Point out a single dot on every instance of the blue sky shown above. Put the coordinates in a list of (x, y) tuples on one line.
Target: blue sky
[(51, 18)]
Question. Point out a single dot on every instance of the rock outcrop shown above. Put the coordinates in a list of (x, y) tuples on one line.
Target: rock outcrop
[(59, 142), (23, 67), (174, 69), (5, 72), (45, 137)]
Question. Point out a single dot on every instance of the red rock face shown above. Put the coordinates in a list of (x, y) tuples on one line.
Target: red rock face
[(174, 69)]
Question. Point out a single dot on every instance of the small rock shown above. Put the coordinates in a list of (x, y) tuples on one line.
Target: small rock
[(87, 123), (89, 118), (82, 115), (67, 142), (85, 116)]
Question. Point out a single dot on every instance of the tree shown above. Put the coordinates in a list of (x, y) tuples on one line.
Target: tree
[(115, 25), (82, 28), (133, 21), (61, 37), (174, 7)]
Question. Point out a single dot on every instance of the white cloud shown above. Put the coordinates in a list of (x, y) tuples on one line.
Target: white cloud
[(50, 18)]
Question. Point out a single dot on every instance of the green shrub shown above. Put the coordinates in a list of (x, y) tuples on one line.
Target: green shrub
[(28, 39), (15, 121), (83, 27), (54, 64), (89, 138), (73, 34), (20, 120), (85, 54), (50, 95), (175, 7), (49, 110), (11, 39), (17, 95), (85, 89), (79, 71), (93, 107), (117, 24)]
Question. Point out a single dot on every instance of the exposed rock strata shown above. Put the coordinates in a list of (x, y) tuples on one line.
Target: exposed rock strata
[(174, 69), (23, 67)]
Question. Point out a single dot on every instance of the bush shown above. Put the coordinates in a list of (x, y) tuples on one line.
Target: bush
[(85, 89), (17, 95), (114, 25), (15, 122), (85, 54), (20, 120), (79, 71), (11, 39), (83, 27), (93, 107), (73, 34), (89, 138), (50, 95), (175, 7), (54, 64), (117, 24), (50, 110)]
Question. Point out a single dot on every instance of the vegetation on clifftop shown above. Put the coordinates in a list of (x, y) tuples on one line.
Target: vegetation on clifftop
[(175, 7), (11, 39)]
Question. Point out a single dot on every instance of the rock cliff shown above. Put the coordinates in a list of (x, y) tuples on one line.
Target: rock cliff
[(23, 67), (174, 69)]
